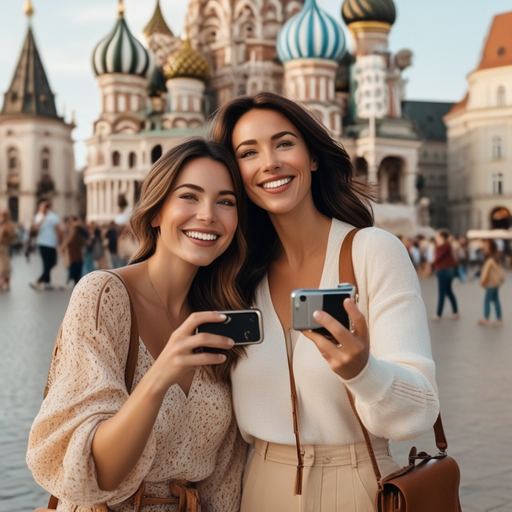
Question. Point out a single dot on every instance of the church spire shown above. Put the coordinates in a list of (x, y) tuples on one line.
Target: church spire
[(29, 93)]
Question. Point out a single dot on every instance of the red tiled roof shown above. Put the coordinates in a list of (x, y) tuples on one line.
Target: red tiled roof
[(498, 48)]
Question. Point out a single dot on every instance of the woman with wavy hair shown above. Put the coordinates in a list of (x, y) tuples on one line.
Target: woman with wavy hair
[(96, 442), (303, 203)]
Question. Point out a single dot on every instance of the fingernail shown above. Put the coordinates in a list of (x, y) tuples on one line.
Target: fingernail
[(231, 342), (222, 316), (316, 314)]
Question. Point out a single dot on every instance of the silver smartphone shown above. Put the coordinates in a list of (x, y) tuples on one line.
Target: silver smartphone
[(306, 301), (244, 327)]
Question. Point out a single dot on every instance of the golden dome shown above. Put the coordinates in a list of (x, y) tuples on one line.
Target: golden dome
[(186, 63)]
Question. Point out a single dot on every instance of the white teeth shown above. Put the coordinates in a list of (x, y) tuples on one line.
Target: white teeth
[(277, 183), (201, 236)]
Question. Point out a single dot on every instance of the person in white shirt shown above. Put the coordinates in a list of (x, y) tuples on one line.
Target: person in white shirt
[(49, 236), (303, 202)]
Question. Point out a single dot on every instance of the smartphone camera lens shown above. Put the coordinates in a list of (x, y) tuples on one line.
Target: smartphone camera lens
[(252, 318), (303, 298), (247, 335)]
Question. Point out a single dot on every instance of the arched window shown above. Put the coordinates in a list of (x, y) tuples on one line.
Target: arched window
[(156, 153), (13, 161), (497, 183), (496, 147), (45, 160), (132, 160), (116, 158), (501, 96)]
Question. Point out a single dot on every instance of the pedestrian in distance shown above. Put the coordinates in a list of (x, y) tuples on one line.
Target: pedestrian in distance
[(93, 442), (491, 278), (304, 201), (49, 235), (7, 235), (73, 248), (445, 265)]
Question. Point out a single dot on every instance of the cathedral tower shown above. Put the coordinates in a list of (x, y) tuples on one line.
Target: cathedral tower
[(114, 160), (310, 46), (36, 149)]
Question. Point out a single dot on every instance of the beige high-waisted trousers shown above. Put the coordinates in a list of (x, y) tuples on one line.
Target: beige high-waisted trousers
[(336, 478)]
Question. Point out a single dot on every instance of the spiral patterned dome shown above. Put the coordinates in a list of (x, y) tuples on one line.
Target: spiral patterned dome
[(368, 10), (186, 63), (120, 52), (311, 34)]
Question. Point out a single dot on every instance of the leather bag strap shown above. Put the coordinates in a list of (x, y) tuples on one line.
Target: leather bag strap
[(295, 414), (347, 275)]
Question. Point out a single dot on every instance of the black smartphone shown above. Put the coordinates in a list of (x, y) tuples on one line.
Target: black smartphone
[(244, 327), (306, 301)]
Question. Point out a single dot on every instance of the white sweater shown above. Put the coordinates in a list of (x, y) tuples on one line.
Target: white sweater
[(396, 394)]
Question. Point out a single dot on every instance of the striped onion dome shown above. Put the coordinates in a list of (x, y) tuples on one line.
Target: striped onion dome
[(120, 52), (310, 34), (368, 10), (186, 63)]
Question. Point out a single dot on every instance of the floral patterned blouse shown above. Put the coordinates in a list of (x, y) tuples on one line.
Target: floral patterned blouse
[(194, 439)]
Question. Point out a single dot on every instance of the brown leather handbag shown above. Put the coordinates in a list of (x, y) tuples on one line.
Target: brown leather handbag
[(429, 483), (185, 496)]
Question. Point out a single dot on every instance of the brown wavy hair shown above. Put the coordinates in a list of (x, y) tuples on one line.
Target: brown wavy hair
[(335, 192), (214, 286)]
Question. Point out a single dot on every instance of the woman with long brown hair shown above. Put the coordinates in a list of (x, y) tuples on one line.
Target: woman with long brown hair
[(303, 203), (93, 442)]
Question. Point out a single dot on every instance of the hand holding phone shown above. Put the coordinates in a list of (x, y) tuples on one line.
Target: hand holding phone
[(306, 301), (244, 327)]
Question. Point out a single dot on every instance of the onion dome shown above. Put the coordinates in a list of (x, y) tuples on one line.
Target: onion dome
[(120, 52), (382, 11), (186, 63), (311, 34), (157, 24)]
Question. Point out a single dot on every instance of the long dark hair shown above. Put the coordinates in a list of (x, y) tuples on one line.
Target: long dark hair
[(335, 192), (214, 286)]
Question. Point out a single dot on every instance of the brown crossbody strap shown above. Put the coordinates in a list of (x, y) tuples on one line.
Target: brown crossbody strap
[(295, 414), (133, 350), (347, 275)]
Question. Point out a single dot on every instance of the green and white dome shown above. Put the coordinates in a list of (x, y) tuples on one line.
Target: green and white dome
[(120, 52)]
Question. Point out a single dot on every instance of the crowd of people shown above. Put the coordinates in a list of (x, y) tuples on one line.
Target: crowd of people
[(83, 246), (450, 257)]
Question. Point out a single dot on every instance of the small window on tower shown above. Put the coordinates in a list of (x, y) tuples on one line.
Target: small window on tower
[(501, 51), (14, 96)]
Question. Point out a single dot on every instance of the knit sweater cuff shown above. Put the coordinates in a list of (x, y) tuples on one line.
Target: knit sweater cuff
[(373, 381)]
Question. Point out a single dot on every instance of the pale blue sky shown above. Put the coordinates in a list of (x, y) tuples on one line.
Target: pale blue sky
[(446, 37)]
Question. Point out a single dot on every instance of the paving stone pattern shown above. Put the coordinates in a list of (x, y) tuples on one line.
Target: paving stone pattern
[(473, 374)]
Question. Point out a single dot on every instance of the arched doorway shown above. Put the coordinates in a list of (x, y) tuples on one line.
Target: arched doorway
[(390, 180), (156, 153), (501, 218), (361, 169)]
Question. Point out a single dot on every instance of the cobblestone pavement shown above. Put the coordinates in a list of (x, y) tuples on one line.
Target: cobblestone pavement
[(473, 373)]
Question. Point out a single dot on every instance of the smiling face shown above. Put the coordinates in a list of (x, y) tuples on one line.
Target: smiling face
[(199, 217), (274, 161)]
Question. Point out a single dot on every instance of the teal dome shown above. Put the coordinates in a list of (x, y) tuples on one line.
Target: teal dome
[(120, 52), (368, 10), (311, 34)]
